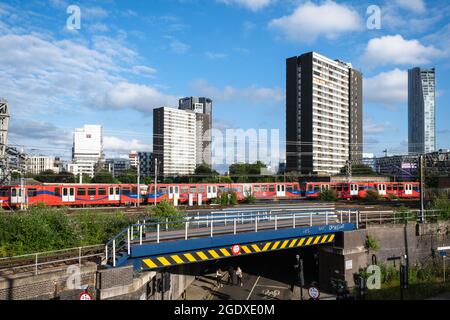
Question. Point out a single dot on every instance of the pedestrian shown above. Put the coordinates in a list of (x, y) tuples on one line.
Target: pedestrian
[(231, 276), (239, 276), (219, 276)]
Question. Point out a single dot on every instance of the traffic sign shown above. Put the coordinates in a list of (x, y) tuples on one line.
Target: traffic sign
[(443, 254), (85, 296), (314, 293), (236, 249)]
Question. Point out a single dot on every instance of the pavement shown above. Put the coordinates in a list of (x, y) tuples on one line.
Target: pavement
[(442, 296)]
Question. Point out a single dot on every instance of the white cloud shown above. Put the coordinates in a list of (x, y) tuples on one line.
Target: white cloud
[(373, 128), (178, 47), (310, 21), (388, 88), (251, 94), (413, 5), (115, 144), (140, 97), (253, 5), (397, 50), (215, 55)]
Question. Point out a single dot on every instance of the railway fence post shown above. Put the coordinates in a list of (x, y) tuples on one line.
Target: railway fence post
[(349, 216), (114, 252), (276, 222), (79, 257), (106, 253), (341, 216), (310, 219), (167, 224), (140, 235), (157, 232), (132, 234), (256, 224), (186, 226), (198, 220), (293, 223), (212, 232), (128, 241), (357, 219), (234, 225)]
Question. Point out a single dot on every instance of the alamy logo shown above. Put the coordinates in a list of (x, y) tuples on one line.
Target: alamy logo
[(74, 20), (374, 19)]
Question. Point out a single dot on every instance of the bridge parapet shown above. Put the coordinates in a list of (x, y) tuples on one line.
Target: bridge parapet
[(152, 237)]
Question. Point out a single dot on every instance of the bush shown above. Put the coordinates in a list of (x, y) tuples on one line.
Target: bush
[(442, 204), (249, 198), (403, 215), (327, 195), (373, 196), (372, 243)]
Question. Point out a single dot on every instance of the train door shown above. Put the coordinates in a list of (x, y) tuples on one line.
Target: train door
[(17, 195), (211, 192), (248, 190), (114, 194), (354, 189), (281, 190), (68, 194), (381, 189), (408, 189), (174, 192)]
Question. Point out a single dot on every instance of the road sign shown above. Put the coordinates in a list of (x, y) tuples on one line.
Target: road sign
[(236, 249), (314, 293), (443, 254), (85, 296), (443, 248)]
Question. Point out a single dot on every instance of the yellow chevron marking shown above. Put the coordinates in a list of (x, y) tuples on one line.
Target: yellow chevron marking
[(284, 244), (300, 243), (164, 261), (275, 245), (225, 252), (256, 248), (331, 238), (316, 241), (190, 257), (309, 241), (214, 254), (266, 246), (177, 259), (202, 255), (324, 239), (292, 243), (150, 263), (246, 249)]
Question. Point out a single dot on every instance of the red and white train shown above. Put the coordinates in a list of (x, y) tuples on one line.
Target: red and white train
[(79, 195)]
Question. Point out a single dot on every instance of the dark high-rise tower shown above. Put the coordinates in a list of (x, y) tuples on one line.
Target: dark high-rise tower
[(421, 110)]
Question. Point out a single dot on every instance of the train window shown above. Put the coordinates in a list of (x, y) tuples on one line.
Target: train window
[(295, 187), (221, 188), (134, 190), (346, 187), (65, 192), (126, 191), (339, 187), (271, 188), (361, 188), (57, 192), (3, 192), (32, 192), (163, 190), (389, 187), (71, 191), (400, 188), (289, 188), (192, 189), (102, 191), (184, 190), (264, 188), (92, 191), (201, 189), (13, 192), (316, 188), (394, 187), (256, 188), (117, 191), (81, 192)]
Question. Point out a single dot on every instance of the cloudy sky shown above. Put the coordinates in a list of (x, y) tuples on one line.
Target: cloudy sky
[(129, 57)]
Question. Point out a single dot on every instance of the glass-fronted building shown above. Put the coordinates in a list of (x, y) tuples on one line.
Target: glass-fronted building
[(421, 110)]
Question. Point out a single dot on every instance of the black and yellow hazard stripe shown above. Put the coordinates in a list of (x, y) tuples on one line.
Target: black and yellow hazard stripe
[(219, 253)]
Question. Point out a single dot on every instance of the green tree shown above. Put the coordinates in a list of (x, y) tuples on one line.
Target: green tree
[(47, 176), (128, 176), (248, 172), (359, 170), (103, 176), (204, 173), (328, 195)]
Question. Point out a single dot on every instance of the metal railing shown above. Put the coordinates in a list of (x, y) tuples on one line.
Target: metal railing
[(218, 224), (34, 262), (376, 218)]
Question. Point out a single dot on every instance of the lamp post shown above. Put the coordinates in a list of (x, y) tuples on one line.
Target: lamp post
[(138, 183)]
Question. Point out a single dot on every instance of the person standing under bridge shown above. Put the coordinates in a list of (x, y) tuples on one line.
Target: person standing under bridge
[(239, 276), (219, 276), (231, 275)]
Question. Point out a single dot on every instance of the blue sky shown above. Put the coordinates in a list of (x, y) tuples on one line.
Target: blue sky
[(132, 56)]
